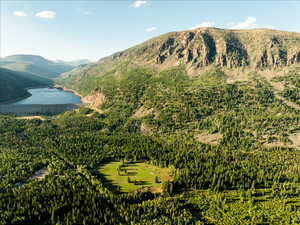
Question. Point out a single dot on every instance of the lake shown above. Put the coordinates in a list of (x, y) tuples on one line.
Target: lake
[(49, 96)]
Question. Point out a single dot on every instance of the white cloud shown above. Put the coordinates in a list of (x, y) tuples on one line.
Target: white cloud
[(204, 24), (19, 13), (249, 23), (139, 3), (151, 29), (46, 14)]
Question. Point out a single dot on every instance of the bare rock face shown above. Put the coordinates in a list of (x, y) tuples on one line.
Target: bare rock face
[(96, 99), (257, 49), (274, 54), (237, 52)]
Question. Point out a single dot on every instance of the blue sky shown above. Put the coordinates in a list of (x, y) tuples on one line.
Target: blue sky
[(71, 30)]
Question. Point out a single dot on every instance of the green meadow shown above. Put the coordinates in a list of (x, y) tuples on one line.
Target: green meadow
[(132, 176)]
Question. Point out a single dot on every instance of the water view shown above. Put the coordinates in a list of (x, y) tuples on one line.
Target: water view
[(48, 96)]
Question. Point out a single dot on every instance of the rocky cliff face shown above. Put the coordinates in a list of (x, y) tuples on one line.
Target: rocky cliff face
[(237, 52), (211, 46)]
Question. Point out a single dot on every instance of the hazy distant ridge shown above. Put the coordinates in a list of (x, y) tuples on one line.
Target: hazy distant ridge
[(35, 64)]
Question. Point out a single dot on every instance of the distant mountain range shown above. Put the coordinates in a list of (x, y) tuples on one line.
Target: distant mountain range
[(78, 62), (38, 65), (13, 84), (18, 72)]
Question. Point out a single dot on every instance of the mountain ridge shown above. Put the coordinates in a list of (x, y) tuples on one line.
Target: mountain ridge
[(78, 62), (237, 52), (34, 64), (202, 47)]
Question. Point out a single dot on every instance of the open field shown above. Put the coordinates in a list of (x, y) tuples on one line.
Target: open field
[(143, 173)]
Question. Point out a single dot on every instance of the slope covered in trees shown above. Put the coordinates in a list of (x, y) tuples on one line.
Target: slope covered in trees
[(13, 84), (156, 118), (236, 181), (229, 144), (237, 52)]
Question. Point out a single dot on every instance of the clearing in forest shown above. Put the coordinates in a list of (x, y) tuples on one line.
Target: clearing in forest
[(30, 118), (212, 139), (132, 176), (40, 174), (295, 138)]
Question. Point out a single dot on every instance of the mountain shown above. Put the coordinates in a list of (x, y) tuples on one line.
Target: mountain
[(76, 63), (183, 80), (77, 71), (236, 52), (210, 117), (34, 64), (259, 48), (13, 84)]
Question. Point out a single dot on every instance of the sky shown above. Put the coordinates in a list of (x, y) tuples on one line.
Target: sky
[(92, 29)]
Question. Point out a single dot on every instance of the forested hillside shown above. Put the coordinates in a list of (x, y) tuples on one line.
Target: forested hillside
[(232, 149), (13, 84), (228, 135), (238, 52), (238, 180)]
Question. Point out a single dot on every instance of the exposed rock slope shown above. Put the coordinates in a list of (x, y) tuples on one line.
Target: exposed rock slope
[(226, 48), (196, 50)]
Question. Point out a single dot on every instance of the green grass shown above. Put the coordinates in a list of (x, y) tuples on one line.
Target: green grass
[(142, 172)]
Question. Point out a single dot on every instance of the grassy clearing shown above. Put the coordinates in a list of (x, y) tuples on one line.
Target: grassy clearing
[(209, 138), (30, 117), (144, 174)]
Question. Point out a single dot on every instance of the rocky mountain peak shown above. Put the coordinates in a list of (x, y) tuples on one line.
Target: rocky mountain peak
[(257, 48)]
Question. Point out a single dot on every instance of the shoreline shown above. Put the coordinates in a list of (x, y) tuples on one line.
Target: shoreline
[(14, 100), (59, 87), (11, 101), (82, 98)]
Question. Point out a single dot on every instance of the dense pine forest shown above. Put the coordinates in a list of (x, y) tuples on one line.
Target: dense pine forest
[(231, 147)]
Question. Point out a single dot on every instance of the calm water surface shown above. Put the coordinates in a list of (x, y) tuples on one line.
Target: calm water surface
[(48, 96)]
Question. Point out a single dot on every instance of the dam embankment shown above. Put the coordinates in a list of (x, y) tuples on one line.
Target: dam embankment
[(36, 109)]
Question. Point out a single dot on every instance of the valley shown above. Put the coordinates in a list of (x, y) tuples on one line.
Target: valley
[(191, 127), (22, 72), (47, 96), (14, 85), (42, 101)]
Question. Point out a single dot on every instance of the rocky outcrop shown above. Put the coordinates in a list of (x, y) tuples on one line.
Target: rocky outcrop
[(96, 99), (226, 48), (237, 52), (142, 112), (274, 54)]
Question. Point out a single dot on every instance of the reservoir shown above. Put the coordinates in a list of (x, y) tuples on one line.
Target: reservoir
[(49, 96)]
